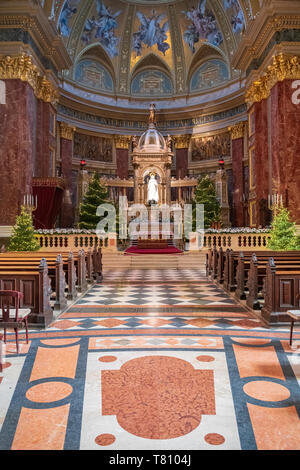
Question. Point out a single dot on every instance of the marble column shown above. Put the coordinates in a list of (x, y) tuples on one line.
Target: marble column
[(66, 154), (237, 146), (45, 140), (182, 143), (122, 151), (17, 147), (285, 146)]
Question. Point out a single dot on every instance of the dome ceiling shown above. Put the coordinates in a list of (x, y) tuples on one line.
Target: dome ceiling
[(151, 49)]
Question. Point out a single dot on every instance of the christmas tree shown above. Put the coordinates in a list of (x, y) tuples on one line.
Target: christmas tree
[(22, 238), (95, 196), (205, 193), (283, 232)]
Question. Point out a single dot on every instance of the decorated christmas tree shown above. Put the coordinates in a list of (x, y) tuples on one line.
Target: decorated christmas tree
[(22, 238), (95, 196), (205, 193), (283, 231)]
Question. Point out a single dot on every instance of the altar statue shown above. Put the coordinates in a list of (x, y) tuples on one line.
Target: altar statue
[(152, 189)]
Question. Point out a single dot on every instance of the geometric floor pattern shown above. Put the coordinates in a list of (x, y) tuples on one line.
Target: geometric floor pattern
[(152, 360)]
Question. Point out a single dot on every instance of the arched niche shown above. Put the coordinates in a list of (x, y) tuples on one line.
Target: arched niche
[(210, 74)]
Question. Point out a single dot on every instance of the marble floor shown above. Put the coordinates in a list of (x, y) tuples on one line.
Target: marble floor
[(159, 360)]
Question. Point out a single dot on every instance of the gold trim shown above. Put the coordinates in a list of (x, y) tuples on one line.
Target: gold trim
[(182, 141), (237, 131), (122, 141), (283, 67), (21, 67), (66, 131)]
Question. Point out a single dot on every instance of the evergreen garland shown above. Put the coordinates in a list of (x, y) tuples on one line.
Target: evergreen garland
[(283, 232), (22, 238), (205, 193), (95, 196)]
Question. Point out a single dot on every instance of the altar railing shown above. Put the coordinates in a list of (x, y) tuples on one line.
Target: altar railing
[(74, 242), (236, 241)]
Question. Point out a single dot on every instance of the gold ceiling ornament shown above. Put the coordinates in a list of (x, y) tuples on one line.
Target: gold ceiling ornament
[(21, 67), (182, 141), (237, 131), (66, 131), (284, 67), (122, 141)]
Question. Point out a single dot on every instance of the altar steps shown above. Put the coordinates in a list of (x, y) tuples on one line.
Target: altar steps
[(192, 260)]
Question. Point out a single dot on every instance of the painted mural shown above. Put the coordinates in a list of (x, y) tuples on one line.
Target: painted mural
[(152, 32), (102, 28), (92, 74), (90, 147), (151, 83), (209, 75), (211, 147), (236, 15), (203, 26), (69, 9)]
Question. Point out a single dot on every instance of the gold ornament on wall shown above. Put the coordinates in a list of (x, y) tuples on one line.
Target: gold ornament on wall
[(122, 142), (22, 68), (283, 68)]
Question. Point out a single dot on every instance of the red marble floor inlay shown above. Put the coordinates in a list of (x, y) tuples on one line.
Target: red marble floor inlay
[(105, 439), (214, 439), (205, 358), (107, 359), (158, 397)]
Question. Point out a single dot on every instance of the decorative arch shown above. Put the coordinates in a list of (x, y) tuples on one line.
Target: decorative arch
[(151, 77), (205, 53), (95, 53), (210, 74)]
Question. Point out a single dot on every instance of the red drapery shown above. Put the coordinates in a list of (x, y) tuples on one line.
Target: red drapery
[(49, 192)]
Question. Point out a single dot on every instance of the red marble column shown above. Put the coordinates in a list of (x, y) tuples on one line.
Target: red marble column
[(122, 151), (45, 140), (261, 162), (66, 154), (182, 162), (238, 174), (17, 147), (285, 133)]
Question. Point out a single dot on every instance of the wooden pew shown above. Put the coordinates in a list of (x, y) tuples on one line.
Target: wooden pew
[(35, 284), (281, 292), (257, 273)]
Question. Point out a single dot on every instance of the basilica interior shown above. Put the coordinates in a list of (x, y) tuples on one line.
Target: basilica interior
[(152, 96)]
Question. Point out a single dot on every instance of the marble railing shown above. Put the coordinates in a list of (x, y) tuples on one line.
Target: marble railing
[(237, 241), (74, 242)]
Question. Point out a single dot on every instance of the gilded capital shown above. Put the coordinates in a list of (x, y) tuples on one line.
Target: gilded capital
[(182, 141), (66, 131), (237, 131), (122, 141), (283, 67), (21, 67)]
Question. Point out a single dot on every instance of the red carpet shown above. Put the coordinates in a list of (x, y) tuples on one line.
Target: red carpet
[(133, 250)]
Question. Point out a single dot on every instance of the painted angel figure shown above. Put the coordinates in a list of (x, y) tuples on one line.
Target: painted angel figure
[(151, 33), (69, 9)]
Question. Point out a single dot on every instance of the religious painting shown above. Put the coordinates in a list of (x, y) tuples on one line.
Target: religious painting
[(211, 147), (151, 83), (152, 32), (89, 147), (102, 28), (211, 74), (203, 26), (236, 15), (92, 74), (69, 9)]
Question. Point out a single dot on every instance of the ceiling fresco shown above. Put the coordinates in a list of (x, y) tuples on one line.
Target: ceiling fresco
[(169, 40)]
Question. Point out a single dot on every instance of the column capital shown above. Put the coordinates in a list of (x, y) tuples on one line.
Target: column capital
[(237, 131), (122, 141), (182, 141), (283, 67), (66, 130), (22, 67)]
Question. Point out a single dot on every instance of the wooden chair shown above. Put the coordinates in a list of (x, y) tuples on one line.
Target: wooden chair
[(12, 316), (295, 317)]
